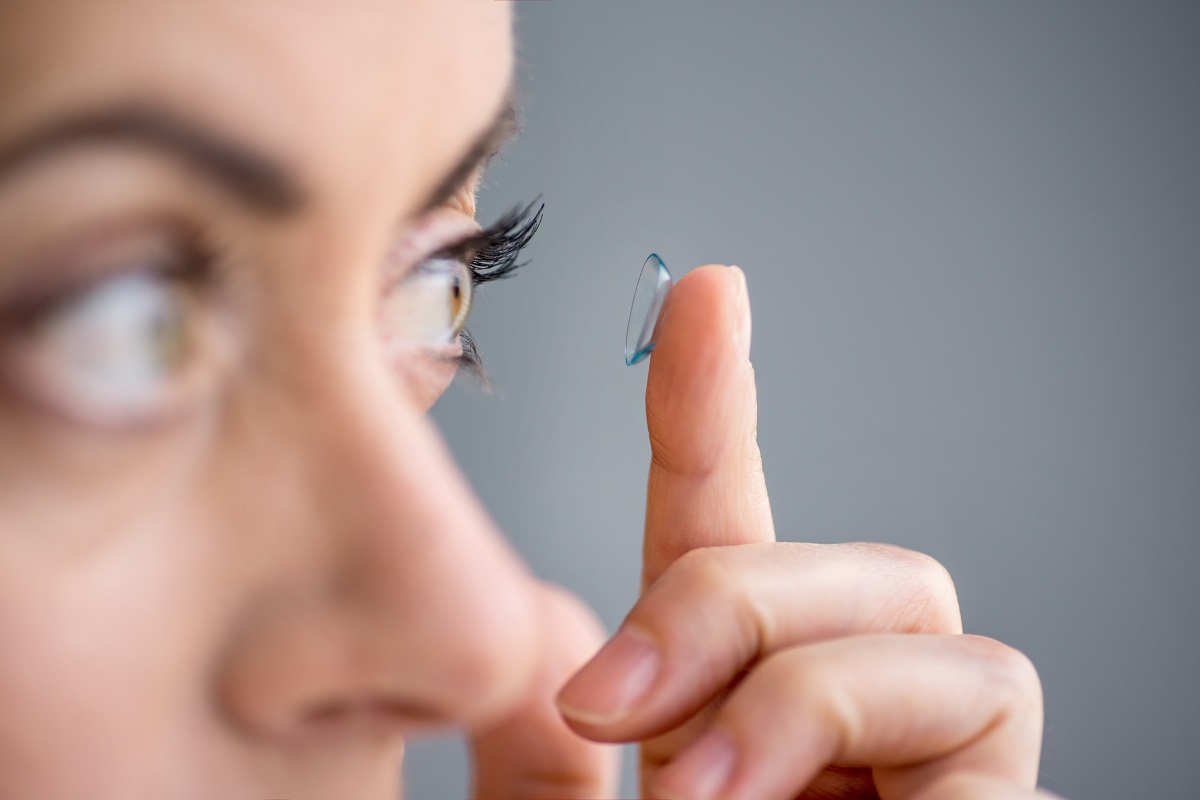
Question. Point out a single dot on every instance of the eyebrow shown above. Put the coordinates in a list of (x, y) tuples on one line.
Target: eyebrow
[(502, 128), (259, 182)]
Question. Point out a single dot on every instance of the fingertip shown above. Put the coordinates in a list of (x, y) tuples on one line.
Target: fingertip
[(610, 687), (706, 308), (696, 384), (741, 335)]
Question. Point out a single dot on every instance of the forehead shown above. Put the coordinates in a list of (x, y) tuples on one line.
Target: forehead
[(317, 83)]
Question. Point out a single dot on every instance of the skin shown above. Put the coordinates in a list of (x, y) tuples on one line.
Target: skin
[(266, 589)]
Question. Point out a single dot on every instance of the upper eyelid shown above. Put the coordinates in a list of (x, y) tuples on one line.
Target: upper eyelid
[(498, 243), (463, 246), (440, 231), (162, 246)]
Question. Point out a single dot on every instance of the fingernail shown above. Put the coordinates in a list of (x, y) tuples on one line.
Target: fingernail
[(609, 686), (742, 334), (703, 770)]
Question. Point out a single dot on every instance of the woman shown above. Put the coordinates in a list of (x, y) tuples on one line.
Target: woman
[(237, 243)]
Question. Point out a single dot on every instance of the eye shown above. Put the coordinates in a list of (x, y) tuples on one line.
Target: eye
[(121, 351), (428, 307), (429, 279)]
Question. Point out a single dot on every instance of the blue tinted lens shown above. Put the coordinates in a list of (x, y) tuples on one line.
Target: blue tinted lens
[(642, 333)]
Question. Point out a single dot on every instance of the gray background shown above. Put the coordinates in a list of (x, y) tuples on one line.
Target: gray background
[(972, 238)]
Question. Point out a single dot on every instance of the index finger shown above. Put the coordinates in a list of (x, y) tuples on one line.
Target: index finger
[(706, 484)]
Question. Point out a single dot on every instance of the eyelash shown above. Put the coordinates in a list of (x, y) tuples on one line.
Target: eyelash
[(492, 255)]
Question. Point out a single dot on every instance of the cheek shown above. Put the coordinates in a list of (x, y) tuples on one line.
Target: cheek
[(68, 493), (94, 651)]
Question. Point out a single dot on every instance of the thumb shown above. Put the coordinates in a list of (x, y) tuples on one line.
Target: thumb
[(706, 484), (532, 754)]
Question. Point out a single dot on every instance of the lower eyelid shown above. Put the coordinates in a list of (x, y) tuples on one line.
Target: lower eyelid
[(402, 351), (424, 371)]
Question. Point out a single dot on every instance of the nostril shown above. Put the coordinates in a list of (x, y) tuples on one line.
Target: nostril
[(371, 715)]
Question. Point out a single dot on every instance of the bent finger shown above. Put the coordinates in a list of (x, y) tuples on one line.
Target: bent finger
[(718, 610), (915, 708)]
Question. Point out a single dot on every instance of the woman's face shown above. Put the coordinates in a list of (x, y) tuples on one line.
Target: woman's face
[(236, 559)]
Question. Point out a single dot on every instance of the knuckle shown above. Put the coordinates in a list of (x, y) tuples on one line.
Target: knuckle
[(935, 587), (809, 682), (660, 453), (927, 569), (670, 452), (931, 603), (1007, 666), (900, 559)]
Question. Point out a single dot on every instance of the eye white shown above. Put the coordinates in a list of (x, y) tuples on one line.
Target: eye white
[(114, 349), (428, 306)]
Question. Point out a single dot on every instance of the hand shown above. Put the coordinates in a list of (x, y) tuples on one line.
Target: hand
[(755, 669)]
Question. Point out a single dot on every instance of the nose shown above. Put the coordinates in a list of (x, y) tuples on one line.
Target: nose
[(376, 595)]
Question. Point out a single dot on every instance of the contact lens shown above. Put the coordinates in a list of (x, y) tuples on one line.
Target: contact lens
[(648, 299)]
